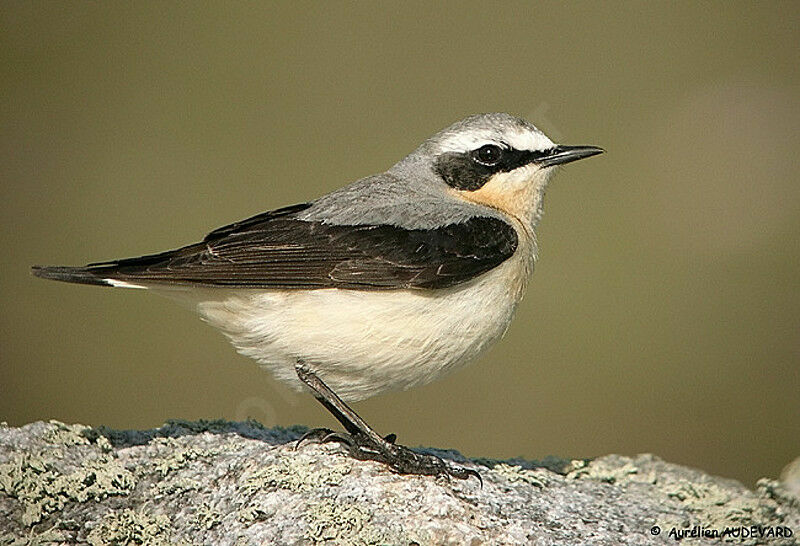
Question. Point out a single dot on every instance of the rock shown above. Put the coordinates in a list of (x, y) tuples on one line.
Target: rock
[(218, 482)]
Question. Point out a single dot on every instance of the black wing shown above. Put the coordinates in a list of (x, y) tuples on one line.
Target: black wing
[(277, 250)]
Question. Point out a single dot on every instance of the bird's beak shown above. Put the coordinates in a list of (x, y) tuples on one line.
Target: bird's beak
[(558, 155)]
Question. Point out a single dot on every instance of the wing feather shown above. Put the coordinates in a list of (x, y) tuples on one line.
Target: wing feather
[(277, 250)]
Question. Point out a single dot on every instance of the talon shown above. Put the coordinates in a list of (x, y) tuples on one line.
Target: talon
[(463, 473), (340, 437), (316, 435)]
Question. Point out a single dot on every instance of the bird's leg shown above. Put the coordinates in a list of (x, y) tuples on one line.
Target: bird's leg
[(366, 444)]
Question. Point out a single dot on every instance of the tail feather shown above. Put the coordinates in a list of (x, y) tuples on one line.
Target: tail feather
[(79, 275), (117, 273)]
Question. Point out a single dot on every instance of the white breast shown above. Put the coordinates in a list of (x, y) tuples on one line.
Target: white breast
[(365, 343)]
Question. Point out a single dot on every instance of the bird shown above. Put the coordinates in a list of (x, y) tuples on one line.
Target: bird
[(384, 284)]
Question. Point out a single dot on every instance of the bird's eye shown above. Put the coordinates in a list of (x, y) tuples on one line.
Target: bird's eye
[(488, 154)]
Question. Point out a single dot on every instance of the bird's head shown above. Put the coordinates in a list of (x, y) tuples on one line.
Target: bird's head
[(498, 160)]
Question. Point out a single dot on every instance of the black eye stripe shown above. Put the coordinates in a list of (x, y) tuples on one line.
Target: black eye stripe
[(462, 170)]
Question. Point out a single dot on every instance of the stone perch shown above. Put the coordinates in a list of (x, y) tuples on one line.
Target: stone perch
[(239, 483)]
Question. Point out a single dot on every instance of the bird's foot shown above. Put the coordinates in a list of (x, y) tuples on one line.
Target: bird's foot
[(315, 435), (398, 458)]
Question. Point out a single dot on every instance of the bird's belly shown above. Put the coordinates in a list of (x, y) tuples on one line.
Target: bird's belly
[(362, 343)]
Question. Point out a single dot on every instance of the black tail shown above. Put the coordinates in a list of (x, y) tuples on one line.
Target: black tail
[(114, 273), (80, 275)]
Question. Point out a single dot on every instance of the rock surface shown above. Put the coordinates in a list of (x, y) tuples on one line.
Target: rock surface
[(239, 483)]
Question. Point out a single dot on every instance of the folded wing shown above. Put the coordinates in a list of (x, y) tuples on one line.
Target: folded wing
[(278, 250)]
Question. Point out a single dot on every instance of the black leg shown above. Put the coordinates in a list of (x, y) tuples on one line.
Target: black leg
[(366, 444), (349, 419)]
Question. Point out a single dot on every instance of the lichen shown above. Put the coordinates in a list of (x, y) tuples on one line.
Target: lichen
[(46, 538), (206, 517), (104, 444), (219, 486), (300, 473), (33, 479), (252, 514), (513, 473), (777, 491), (174, 486), (557, 465), (719, 505), (603, 470), (67, 435), (178, 460), (131, 527), (716, 507), (346, 524)]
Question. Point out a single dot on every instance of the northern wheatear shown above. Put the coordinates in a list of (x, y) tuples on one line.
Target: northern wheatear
[(387, 283)]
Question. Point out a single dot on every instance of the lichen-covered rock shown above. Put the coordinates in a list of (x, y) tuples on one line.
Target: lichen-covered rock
[(238, 483)]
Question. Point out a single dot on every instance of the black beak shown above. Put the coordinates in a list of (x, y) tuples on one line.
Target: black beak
[(559, 155)]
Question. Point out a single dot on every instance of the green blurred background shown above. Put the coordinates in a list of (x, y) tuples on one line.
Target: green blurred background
[(664, 314)]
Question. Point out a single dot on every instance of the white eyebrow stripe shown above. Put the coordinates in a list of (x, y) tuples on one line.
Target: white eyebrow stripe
[(520, 140), (466, 144), (528, 140)]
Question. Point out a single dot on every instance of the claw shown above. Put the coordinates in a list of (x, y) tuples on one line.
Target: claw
[(340, 437), (316, 435), (463, 473)]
